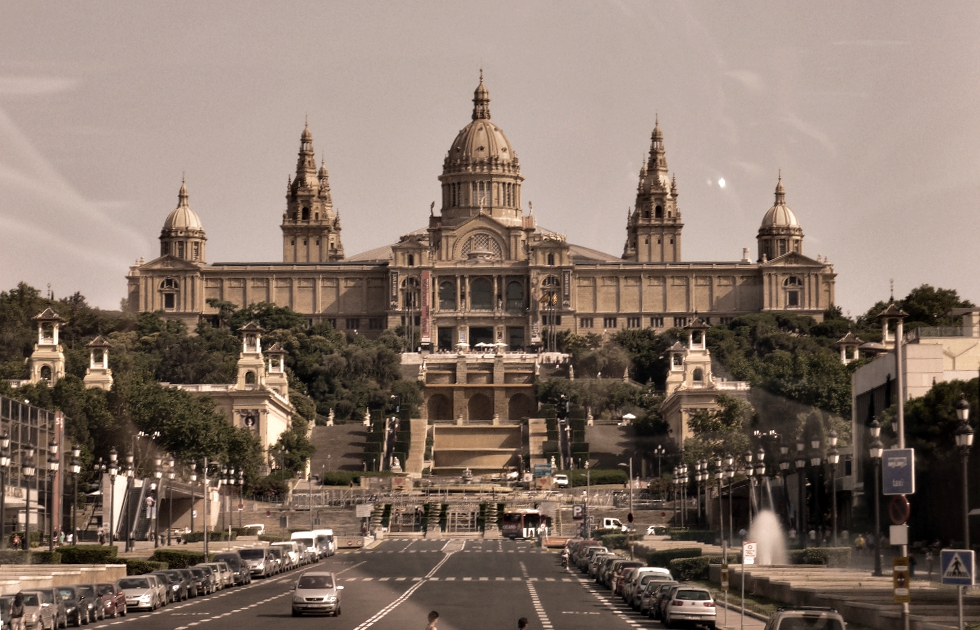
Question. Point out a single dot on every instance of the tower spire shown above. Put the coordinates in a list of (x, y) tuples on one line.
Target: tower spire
[(780, 191), (481, 101), (182, 195)]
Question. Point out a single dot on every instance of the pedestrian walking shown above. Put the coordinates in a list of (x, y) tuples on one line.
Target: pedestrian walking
[(17, 612), (16, 541), (433, 618), (859, 545), (930, 559), (101, 535)]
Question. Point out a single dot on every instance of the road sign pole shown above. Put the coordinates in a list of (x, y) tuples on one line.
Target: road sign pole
[(959, 590)]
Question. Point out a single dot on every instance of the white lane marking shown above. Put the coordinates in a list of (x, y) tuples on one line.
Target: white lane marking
[(404, 596)]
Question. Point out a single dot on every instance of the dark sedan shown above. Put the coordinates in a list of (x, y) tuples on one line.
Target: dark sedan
[(93, 601), (76, 608)]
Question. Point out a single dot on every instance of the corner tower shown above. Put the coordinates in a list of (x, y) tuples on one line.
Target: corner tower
[(653, 229), (310, 227), (481, 173), (780, 232)]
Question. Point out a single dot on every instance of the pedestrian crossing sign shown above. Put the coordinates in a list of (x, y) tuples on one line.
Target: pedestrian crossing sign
[(956, 567)]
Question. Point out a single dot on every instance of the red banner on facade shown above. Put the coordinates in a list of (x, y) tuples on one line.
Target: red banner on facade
[(426, 301)]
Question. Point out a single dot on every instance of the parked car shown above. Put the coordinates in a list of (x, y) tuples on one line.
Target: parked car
[(6, 601), (806, 617), (37, 614), (214, 579), (663, 596), (638, 579), (170, 584), (141, 592), (290, 553), (50, 596), (325, 542), (240, 571), (113, 599), (93, 601), (306, 539), (560, 481), (179, 585), (202, 581), (617, 579), (189, 580), (648, 599), (259, 561), (656, 530), (692, 605), (316, 591), (278, 559), (75, 609)]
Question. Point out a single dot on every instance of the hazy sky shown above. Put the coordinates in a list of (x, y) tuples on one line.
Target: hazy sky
[(871, 110)]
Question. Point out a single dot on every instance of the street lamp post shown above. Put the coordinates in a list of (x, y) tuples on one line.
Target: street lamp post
[(158, 475), (4, 464), (193, 478), (28, 471), (833, 458), (801, 480), (659, 452), (673, 483), (719, 476), (730, 473), (241, 485), (588, 516), (207, 499), (75, 467), (760, 473), (964, 440), (816, 459), (783, 469), (684, 481), (53, 465), (876, 451), (630, 465), (750, 472), (130, 474), (113, 471), (171, 473)]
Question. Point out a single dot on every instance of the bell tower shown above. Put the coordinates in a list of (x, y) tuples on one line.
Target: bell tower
[(653, 228), (310, 227)]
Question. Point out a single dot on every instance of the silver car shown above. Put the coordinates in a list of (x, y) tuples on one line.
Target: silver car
[(38, 614), (692, 605), (141, 592), (317, 592)]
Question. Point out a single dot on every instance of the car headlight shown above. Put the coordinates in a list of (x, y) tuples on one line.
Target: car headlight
[(331, 599), (33, 617), (145, 597)]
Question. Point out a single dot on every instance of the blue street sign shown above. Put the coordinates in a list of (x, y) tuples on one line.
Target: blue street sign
[(956, 567), (898, 468)]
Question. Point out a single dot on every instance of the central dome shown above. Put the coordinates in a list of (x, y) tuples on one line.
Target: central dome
[(182, 218), (481, 140)]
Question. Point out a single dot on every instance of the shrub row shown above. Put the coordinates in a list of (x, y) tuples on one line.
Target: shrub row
[(196, 537), (598, 476), (139, 567), (346, 478), (687, 569), (830, 556), (699, 535), (88, 554), (271, 538), (45, 557), (663, 558), (616, 539), (178, 559)]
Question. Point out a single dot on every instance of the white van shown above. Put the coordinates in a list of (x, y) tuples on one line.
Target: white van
[(613, 523), (308, 539), (324, 540), (291, 551)]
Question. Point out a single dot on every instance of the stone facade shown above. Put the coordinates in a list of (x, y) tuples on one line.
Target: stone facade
[(482, 270)]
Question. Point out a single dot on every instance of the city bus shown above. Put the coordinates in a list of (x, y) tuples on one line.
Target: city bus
[(523, 523)]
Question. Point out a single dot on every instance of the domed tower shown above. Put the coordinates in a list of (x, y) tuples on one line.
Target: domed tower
[(780, 232), (481, 172), (653, 229), (182, 235), (310, 227)]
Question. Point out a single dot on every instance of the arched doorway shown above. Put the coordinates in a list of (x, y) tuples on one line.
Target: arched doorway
[(440, 408), (520, 406), (480, 408)]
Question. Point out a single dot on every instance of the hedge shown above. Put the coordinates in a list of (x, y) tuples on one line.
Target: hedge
[(830, 556), (598, 476), (271, 538), (196, 537), (616, 539), (45, 557), (687, 569), (88, 554), (14, 556), (699, 535), (346, 478), (135, 566), (178, 559), (663, 558)]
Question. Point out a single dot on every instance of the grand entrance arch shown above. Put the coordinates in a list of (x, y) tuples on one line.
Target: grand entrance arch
[(440, 408), (521, 406)]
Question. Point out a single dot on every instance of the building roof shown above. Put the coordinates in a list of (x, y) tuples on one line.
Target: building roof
[(98, 342), (48, 315), (850, 339), (182, 217), (780, 215)]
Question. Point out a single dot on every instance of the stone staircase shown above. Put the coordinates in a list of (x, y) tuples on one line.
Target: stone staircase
[(339, 447), (416, 449)]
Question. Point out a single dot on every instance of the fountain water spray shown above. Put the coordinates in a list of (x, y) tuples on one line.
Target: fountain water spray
[(769, 537)]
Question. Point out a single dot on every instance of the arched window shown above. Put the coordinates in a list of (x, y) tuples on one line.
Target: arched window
[(250, 378), (306, 214), (793, 287), (411, 260), (659, 212), (169, 287), (482, 244), (646, 213), (551, 259), (481, 294), (46, 372), (447, 296), (698, 375), (515, 296)]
